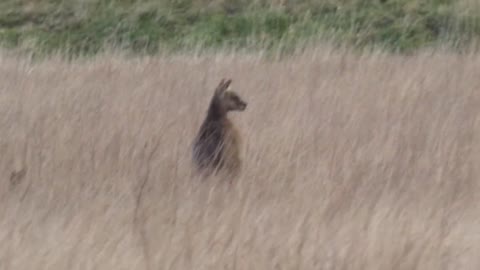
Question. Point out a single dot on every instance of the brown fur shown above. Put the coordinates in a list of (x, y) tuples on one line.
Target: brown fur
[(216, 146)]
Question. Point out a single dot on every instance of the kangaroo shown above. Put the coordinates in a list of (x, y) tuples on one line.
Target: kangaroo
[(216, 146)]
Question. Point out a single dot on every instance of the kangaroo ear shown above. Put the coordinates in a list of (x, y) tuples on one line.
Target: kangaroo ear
[(227, 83), (222, 86)]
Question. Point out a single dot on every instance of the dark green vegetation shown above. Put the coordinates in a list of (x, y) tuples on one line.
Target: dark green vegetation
[(88, 27)]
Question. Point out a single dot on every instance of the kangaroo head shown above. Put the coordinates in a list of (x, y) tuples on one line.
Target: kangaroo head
[(228, 99)]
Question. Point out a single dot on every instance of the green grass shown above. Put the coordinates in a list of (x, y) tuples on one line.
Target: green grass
[(88, 27)]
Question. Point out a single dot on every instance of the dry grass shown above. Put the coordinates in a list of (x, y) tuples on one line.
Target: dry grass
[(351, 162)]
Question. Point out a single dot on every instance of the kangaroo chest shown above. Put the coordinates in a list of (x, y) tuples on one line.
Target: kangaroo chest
[(231, 136)]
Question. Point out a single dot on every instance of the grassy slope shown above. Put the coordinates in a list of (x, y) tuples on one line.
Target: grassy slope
[(86, 27)]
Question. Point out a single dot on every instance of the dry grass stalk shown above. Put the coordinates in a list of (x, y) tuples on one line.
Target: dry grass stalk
[(351, 162)]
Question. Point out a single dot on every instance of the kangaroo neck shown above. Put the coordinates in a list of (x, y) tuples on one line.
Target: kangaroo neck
[(215, 111)]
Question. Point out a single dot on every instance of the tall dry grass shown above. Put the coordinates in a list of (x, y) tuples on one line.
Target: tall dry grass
[(350, 162)]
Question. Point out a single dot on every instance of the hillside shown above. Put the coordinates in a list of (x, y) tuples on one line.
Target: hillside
[(78, 27)]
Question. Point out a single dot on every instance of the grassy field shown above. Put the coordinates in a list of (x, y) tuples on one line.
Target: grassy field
[(352, 161), (87, 27)]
